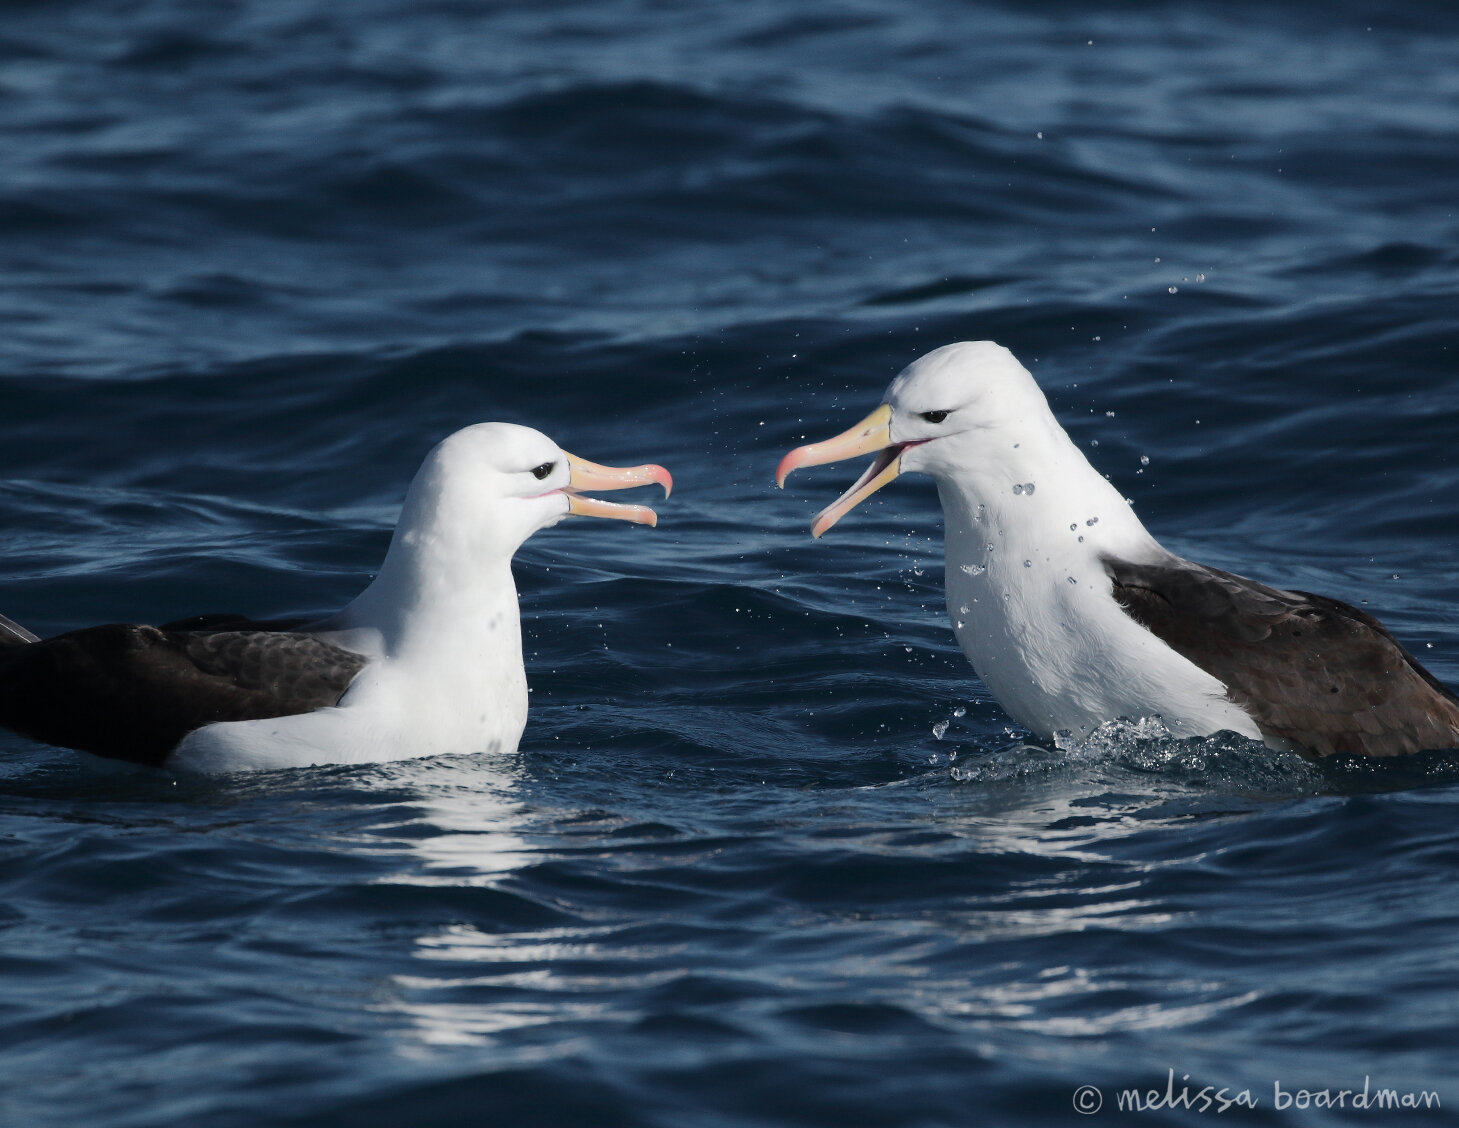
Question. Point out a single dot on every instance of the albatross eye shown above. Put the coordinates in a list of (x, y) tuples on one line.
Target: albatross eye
[(934, 416), (540, 472)]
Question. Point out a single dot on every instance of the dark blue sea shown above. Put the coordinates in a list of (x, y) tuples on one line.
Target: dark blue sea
[(769, 854)]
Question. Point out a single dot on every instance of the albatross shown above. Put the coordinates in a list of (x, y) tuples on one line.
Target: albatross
[(1073, 615), (426, 660)]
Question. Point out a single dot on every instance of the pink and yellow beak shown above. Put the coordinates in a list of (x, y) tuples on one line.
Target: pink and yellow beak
[(872, 434), (585, 475)]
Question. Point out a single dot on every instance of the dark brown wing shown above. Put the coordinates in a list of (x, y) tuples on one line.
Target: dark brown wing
[(1311, 670), (132, 692), (232, 621)]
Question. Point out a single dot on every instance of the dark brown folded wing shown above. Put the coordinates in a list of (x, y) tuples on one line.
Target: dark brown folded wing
[(133, 692), (1311, 670), (232, 621)]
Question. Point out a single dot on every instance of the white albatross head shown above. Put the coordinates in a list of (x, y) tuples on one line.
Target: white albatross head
[(486, 488), (932, 419)]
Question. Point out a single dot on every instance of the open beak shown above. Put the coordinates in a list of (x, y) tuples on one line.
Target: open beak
[(585, 475), (874, 433)]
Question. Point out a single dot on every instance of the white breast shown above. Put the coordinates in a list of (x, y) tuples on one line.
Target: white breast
[(450, 682), (1032, 608), (388, 714)]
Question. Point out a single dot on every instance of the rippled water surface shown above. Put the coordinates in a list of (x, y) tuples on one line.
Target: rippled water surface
[(769, 853)]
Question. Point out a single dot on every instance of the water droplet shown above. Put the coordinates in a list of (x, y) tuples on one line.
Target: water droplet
[(1028, 487), (939, 728), (1200, 277), (1074, 526), (1071, 579), (1081, 538), (1028, 563), (1175, 289), (1092, 521), (961, 712), (963, 610), (1144, 460), (1109, 414), (1093, 442), (958, 625), (1018, 487), (1395, 575), (972, 570)]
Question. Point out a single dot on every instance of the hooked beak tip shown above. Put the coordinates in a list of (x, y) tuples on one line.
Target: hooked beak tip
[(794, 460), (658, 475)]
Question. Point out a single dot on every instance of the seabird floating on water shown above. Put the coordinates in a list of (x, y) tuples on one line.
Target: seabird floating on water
[(426, 660), (1073, 615)]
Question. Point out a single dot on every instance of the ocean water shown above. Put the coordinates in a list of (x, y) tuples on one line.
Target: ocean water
[(769, 853)]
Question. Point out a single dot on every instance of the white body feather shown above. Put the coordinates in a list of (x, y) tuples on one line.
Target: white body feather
[(1027, 522), (440, 624)]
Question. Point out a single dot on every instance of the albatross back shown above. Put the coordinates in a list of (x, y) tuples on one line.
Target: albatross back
[(1310, 670), (133, 692)]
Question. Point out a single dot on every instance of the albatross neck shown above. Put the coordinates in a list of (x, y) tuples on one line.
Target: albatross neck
[(1030, 493), (446, 583), (427, 589), (1029, 524)]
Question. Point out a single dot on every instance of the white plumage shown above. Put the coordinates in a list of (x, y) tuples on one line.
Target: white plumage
[(426, 660), (1030, 525), (440, 623)]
